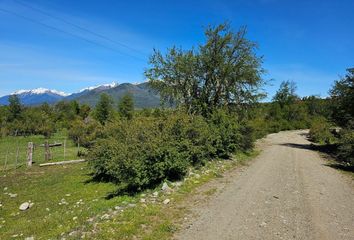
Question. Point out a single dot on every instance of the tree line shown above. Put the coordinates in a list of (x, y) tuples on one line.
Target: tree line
[(19, 120)]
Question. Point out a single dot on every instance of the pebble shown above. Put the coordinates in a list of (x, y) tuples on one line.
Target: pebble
[(167, 201), (73, 233), (165, 187), (24, 206), (63, 202), (178, 184), (13, 195), (155, 194), (105, 217), (263, 224)]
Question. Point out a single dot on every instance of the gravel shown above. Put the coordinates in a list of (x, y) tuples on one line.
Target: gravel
[(288, 192)]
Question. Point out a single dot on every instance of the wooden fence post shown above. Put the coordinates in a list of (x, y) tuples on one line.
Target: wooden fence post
[(64, 148), (29, 154), (7, 153), (17, 154), (47, 151)]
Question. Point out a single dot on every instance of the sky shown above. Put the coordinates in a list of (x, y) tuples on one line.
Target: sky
[(70, 45)]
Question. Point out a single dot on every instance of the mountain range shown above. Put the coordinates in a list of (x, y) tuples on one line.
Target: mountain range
[(143, 95)]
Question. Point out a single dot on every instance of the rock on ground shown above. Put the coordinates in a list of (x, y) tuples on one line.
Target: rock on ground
[(24, 206)]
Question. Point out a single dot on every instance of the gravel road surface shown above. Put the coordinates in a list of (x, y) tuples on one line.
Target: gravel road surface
[(288, 192)]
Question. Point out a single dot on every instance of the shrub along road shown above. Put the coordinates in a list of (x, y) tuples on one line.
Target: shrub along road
[(287, 193)]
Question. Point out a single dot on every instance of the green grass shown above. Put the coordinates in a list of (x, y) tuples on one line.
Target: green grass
[(83, 215), (46, 187), (10, 144)]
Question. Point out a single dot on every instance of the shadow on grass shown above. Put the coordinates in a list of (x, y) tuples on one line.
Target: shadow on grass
[(127, 190), (122, 189), (103, 179), (96, 179)]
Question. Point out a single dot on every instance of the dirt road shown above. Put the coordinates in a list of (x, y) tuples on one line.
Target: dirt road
[(288, 192)]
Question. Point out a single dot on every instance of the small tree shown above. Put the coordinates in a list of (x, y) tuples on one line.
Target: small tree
[(75, 107), (286, 94), (342, 95), (15, 108), (84, 111), (85, 132), (104, 108), (126, 106)]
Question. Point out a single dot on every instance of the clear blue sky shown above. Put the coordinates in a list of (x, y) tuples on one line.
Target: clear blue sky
[(309, 42)]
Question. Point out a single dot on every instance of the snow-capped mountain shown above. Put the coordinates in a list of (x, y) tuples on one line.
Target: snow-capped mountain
[(141, 92), (39, 91), (41, 95), (92, 90), (35, 96), (100, 87)]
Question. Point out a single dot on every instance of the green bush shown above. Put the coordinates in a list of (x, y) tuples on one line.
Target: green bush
[(346, 146), (320, 131), (144, 151), (227, 137), (260, 127)]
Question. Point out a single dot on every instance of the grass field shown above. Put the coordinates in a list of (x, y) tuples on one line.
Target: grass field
[(67, 204), (14, 149)]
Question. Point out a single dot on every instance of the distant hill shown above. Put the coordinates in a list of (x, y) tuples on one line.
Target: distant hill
[(143, 95)]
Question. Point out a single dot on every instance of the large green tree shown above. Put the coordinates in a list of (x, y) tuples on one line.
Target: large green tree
[(224, 71)]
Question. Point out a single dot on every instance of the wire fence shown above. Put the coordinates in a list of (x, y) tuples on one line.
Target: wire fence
[(14, 151)]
